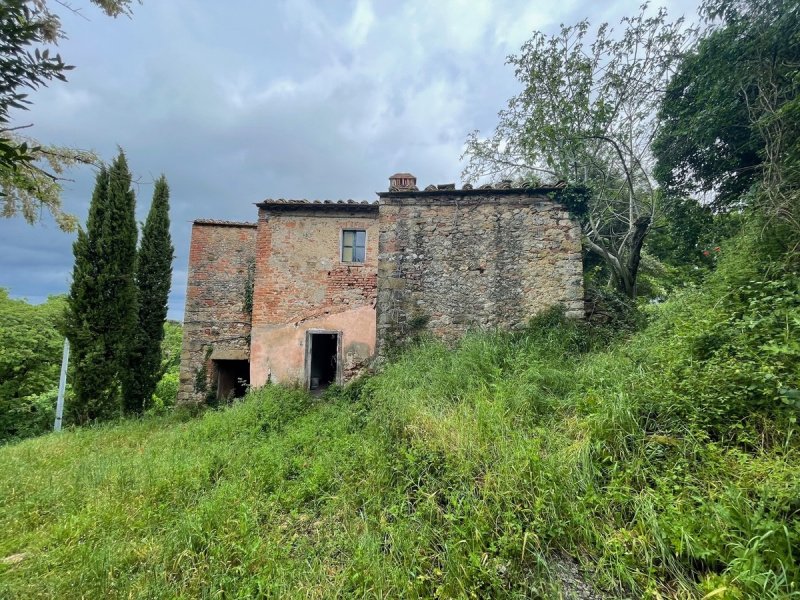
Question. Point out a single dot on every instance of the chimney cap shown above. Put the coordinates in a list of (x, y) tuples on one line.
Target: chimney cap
[(402, 182)]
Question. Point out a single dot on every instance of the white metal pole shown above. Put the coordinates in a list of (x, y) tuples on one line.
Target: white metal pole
[(62, 386)]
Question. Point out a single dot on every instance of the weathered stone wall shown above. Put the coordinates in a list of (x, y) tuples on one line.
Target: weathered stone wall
[(455, 261), (443, 260), (301, 284), (216, 320)]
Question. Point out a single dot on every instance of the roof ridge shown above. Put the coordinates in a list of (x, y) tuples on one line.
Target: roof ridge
[(224, 222), (305, 201)]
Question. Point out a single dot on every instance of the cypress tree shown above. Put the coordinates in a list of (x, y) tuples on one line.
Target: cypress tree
[(121, 307), (93, 375), (101, 315), (153, 281)]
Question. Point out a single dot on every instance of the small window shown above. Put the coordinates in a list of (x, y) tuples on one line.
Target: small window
[(353, 245)]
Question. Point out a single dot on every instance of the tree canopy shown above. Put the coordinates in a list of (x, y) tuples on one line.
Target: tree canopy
[(31, 172), (586, 115), (29, 365), (730, 116)]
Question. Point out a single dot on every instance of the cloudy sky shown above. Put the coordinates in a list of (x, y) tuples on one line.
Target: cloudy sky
[(243, 100)]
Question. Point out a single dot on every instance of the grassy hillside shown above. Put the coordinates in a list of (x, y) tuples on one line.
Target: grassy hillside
[(666, 463)]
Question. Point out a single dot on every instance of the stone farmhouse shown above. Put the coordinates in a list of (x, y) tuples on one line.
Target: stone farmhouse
[(314, 291)]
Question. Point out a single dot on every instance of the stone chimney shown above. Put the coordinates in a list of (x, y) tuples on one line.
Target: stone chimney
[(402, 182)]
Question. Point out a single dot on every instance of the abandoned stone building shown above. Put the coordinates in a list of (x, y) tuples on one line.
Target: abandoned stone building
[(313, 291)]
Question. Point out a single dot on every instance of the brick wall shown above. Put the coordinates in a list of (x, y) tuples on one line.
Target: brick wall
[(216, 321), (301, 284), (480, 259), (443, 260)]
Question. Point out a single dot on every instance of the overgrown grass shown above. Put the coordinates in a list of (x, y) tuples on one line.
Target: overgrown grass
[(667, 463)]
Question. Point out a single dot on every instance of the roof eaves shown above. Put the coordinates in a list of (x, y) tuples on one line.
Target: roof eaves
[(481, 191), (283, 203), (222, 223)]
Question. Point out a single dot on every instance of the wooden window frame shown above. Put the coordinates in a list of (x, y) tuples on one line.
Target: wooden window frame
[(354, 246)]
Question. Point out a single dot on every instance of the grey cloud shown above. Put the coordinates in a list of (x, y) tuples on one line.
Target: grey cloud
[(295, 99)]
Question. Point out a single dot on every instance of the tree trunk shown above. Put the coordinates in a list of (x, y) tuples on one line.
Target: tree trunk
[(624, 263), (640, 228), (631, 254)]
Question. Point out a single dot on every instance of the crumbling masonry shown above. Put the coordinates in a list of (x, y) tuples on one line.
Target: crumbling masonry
[(314, 291)]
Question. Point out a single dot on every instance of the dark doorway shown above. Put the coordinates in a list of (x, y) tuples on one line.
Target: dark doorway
[(323, 367), (233, 378)]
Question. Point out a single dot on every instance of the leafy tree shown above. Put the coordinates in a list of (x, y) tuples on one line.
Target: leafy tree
[(684, 244), (30, 358), (153, 280), (730, 115), (22, 24), (166, 392), (704, 142), (586, 116), (101, 319), (30, 172), (28, 187)]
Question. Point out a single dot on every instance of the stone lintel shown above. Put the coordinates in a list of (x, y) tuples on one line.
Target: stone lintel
[(230, 354)]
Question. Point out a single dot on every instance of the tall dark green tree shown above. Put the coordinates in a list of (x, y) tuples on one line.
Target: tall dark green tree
[(153, 280), (93, 374), (101, 314)]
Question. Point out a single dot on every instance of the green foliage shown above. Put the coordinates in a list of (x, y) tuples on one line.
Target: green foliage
[(101, 318), (454, 473), (171, 346), (23, 24), (30, 362), (585, 115), (115, 8), (30, 359), (576, 199), (153, 280), (166, 391), (705, 138), (684, 232), (201, 379), (684, 245), (735, 352), (32, 184), (249, 283), (728, 119), (30, 172)]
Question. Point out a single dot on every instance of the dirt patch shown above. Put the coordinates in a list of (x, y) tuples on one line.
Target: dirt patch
[(14, 558), (573, 582)]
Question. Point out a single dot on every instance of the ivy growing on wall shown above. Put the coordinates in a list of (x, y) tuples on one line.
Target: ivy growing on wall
[(575, 199), (201, 374), (249, 284)]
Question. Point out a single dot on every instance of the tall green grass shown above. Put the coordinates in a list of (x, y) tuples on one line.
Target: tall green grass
[(665, 462)]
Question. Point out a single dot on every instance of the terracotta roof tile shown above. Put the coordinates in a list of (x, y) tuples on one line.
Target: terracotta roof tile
[(224, 223), (276, 201)]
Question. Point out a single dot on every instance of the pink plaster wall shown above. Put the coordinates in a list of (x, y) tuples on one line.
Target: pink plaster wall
[(277, 352), (301, 284)]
